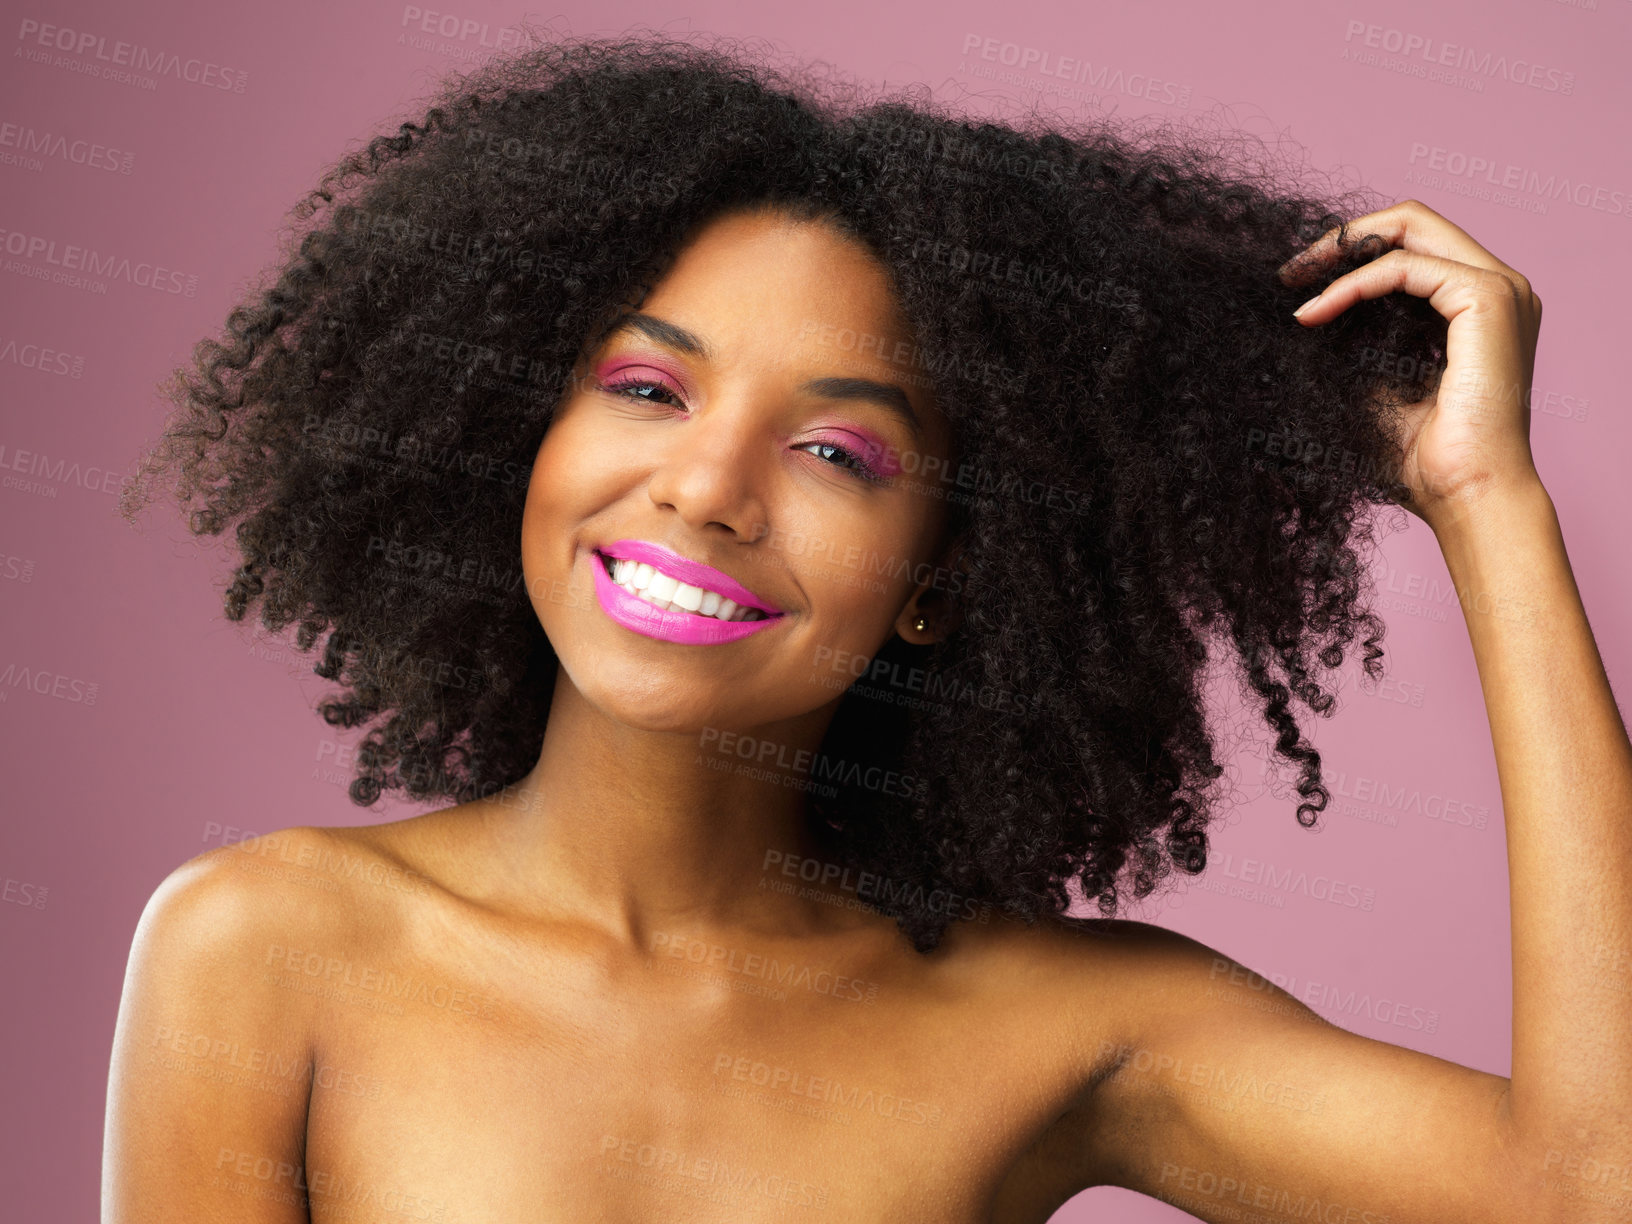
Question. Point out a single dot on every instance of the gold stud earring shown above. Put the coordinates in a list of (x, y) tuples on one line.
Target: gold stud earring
[(920, 624)]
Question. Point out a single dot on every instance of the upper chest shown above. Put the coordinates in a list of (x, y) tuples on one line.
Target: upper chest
[(466, 1076)]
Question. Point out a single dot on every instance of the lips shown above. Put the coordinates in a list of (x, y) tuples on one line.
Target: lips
[(677, 626), (692, 573)]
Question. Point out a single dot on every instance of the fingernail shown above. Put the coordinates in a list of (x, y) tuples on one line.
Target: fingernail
[(1307, 304)]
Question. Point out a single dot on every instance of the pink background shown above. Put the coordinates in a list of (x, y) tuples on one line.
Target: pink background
[(198, 724)]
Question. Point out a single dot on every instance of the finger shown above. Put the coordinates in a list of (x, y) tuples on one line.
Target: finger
[(1487, 357), (1449, 285), (1409, 225)]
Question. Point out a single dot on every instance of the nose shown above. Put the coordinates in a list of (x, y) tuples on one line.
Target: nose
[(713, 471)]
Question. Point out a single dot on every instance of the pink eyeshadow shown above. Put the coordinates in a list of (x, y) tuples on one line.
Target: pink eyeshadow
[(614, 366), (883, 457)]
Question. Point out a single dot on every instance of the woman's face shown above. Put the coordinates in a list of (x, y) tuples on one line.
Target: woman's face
[(761, 416)]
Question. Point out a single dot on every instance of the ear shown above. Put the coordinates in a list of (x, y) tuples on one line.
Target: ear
[(935, 601)]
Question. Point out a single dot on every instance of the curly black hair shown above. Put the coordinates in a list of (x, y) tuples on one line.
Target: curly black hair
[(1153, 455)]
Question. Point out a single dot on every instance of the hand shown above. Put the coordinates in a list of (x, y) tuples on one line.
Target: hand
[(1471, 435)]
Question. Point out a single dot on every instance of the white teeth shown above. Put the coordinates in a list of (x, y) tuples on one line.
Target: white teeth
[(663, 591)]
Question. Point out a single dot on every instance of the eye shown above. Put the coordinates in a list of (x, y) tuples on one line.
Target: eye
[(633, 389), (848, 459)]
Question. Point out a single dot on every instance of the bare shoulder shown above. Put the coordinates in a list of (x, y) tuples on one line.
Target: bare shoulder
[(1111, 984), (1196, 1072), (348, 864), (212, 1054), (219, 922), (1116, 957), (1062, 1000), (220, 902), (1139, 956), (207, 928), (1080, 981)]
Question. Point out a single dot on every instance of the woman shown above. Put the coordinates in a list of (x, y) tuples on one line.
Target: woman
[(880, 480)]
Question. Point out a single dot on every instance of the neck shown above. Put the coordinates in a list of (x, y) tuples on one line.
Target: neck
[(641, 832)]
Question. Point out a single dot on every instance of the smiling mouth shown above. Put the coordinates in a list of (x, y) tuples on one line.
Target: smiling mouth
[(662, 591)]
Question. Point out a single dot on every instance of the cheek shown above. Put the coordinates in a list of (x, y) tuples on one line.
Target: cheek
[(585, 455), (563, 440), (859, 583), (547, 515), (564, 471), (543, 491)]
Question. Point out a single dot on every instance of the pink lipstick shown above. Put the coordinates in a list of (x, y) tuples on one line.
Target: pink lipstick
[(675, 624)]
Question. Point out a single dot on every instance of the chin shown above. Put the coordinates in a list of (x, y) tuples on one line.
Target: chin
[(627, 693), (685, 718)]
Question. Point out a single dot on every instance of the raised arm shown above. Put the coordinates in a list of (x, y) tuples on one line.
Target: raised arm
[(1231, 1099)]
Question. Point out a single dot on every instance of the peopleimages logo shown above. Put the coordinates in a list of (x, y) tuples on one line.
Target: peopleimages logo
[(1294, 880), (89, 52), (458, 29), (1439, 54), (69, 257), (1506, 176), (28, 141), (1327, 996), (1073, 69)]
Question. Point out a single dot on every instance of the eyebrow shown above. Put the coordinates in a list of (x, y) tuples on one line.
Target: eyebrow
[(886, 395)]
